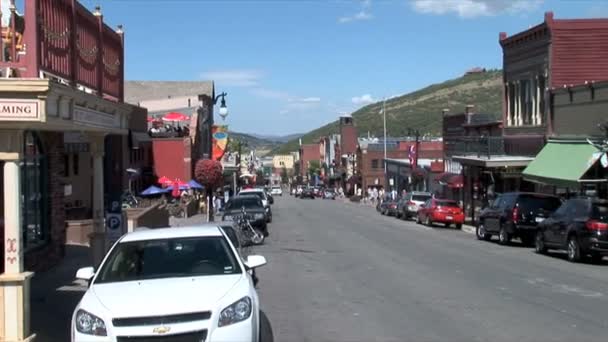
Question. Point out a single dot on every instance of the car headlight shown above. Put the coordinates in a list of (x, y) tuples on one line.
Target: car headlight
[(87, 323), (258, 216), (236, 312)]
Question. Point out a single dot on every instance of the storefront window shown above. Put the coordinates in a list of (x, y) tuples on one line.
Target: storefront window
[(34, 192)]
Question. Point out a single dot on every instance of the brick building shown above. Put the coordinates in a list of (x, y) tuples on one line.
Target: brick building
[(49, 100), (308, 153), (554, 54)]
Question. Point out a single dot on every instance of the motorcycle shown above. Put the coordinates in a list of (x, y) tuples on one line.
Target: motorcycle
[(247, 234)]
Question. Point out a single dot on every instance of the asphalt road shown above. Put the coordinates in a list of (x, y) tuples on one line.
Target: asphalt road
[(341, 272)]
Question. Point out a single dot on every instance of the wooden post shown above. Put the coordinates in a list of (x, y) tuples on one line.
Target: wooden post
[(75, 60), (100, 61), (121, 84), (13, 33), (32, 43)]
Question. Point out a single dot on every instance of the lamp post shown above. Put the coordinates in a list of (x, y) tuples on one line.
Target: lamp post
[(384, 121), (223, 109)]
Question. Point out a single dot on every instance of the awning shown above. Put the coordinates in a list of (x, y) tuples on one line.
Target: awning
[(562, 164), (452, 180)]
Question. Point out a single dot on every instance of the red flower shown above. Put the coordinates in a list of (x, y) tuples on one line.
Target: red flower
[(209, 173)]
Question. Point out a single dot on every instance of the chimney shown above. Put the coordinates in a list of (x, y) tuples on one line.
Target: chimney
[(445, 111), (548, 17), (468, 111), (502, 36)]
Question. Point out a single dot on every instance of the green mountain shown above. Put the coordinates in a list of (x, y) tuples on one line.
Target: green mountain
[(249, 142), (420, 109)]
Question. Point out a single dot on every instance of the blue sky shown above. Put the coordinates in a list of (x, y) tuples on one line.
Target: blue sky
[(292, 65)]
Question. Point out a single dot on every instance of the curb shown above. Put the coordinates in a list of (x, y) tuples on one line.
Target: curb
[(468, 229)]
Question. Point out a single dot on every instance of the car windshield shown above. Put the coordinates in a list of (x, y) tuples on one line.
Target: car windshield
[(248, 202), (420, 198), (535, 203), (168, 258), (260, 194), (451, 204)]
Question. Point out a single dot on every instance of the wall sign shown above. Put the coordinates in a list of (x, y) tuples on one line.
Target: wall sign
[(19, 110), (95, 118)]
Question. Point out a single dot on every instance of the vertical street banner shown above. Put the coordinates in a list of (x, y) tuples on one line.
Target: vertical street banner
[(219, 134)]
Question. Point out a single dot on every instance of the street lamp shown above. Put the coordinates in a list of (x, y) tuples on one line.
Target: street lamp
[(383, 112), (223, 109)]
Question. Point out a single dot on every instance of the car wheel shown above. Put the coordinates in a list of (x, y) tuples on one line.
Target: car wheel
[(418, 219), (259, 238), (481, 233), (539, 243), (459, 226), (446, 225), (504, 238), (428, 222), (574, 249)]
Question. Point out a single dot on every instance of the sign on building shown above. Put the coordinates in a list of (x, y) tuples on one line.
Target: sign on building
[(19, 110)]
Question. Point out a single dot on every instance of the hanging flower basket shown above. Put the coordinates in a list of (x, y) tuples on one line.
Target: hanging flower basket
[(209, 173)]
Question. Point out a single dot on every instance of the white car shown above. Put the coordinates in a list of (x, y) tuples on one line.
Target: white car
[(276, 190), (170, 284)]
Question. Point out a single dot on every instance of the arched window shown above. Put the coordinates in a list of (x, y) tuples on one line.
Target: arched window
[(34, 185)]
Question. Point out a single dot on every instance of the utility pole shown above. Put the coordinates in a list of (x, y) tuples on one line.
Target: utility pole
[(384, 119), (417, 147)]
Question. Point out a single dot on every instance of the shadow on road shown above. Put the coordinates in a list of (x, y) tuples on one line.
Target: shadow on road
[(266, 333), (564, 256), (54, 295)]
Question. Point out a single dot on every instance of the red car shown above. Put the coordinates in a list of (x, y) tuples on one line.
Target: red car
[(443, 211)]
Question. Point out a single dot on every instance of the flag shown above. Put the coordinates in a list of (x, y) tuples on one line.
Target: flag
[(412, 155)]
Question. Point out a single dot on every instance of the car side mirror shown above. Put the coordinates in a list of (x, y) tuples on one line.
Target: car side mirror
[(85, 273), (255, 261)]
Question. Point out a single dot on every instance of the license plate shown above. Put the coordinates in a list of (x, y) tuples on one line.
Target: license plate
[(539, 219), (449, 217)]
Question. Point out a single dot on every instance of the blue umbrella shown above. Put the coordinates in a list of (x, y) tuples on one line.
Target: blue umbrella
[(194, 184), (153, 190)]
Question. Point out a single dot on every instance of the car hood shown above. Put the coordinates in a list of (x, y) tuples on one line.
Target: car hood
[(164, 296), (249, 211)]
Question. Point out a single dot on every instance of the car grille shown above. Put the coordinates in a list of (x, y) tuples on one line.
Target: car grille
[(159, 320), (197, 336)]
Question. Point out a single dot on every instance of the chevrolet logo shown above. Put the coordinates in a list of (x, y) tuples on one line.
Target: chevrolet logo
[(161, 330)]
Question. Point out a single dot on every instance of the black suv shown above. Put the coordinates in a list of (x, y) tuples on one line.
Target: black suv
[(579, 226), (515, 215)]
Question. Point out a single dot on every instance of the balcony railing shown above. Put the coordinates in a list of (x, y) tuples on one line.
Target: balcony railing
[(479, 146), (62, 39)]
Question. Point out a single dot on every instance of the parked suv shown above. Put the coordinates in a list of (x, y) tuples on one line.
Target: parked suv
[(579, 226), (515, 215), (412, 202)]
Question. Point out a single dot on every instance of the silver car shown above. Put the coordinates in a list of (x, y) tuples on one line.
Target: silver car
[(412, 202)]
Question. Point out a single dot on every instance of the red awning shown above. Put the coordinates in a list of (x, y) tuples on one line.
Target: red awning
[(451, 180), (175, 116)]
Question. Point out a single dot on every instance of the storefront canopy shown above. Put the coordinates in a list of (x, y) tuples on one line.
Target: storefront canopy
[(451, 180), (562, 164)]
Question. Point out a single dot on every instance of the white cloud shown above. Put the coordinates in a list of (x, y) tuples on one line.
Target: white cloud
[(363, 99), (363, 14), (474, 8), (284, 111), (306, 99), (237, 78)]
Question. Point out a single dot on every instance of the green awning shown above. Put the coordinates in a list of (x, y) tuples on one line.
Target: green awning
[(562, 164)]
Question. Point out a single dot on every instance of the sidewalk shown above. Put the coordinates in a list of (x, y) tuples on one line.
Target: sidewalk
[(54, 295)]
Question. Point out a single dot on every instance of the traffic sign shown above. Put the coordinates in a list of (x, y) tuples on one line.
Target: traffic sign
[(114, 225)]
